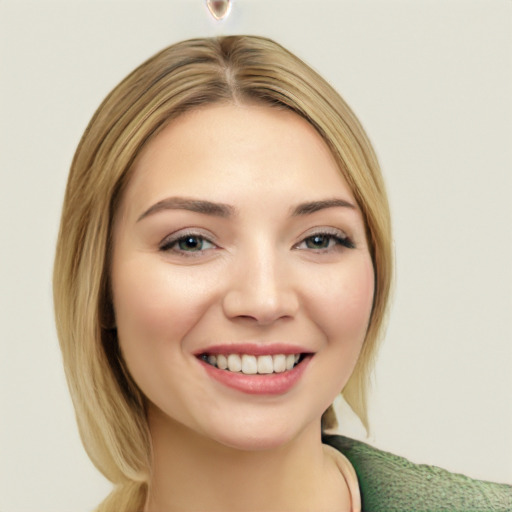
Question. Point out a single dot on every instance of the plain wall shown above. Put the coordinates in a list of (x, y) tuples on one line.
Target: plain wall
[(431, 82)]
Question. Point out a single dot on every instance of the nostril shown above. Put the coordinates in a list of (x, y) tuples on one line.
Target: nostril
[(262, 308)]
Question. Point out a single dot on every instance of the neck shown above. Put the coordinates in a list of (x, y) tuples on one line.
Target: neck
[(191, 472)]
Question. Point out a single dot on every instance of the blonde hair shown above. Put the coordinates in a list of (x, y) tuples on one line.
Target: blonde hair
[(109, 407)]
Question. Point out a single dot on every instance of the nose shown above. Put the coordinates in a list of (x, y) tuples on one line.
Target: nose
[(261, 289)]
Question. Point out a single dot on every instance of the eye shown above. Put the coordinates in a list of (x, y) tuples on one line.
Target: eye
[(188, 243), (325, 241)]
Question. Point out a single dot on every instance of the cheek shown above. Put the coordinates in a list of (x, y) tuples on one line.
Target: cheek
[(342, 305), (343, 313), (154, 307), (155, 310)]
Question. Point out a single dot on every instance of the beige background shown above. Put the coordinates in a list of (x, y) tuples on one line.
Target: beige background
[(431, 81)]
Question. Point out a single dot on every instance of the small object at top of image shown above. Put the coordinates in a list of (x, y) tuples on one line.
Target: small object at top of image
[(219, 9)]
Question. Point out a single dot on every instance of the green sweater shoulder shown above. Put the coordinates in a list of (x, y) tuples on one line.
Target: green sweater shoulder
[(389, 483)]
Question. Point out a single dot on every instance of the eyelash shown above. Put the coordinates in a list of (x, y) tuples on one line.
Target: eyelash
[(169, 244), (339, 239)]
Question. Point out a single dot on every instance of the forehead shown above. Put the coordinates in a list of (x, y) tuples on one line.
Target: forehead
[(227, 152)]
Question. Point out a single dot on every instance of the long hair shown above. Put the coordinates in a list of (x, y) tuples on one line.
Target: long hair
[(239, 69)]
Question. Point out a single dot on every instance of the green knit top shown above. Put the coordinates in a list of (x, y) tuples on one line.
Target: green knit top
[(389, 483)]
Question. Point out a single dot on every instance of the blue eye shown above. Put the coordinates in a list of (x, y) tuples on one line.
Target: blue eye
[(318, 241), (325, 241), (189, 243)]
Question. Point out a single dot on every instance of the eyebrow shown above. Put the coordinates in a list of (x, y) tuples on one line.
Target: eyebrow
[(225, 210), (193, 205), (315, 206)]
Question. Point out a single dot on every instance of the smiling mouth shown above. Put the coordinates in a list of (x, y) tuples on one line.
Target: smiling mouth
[(249, 364)]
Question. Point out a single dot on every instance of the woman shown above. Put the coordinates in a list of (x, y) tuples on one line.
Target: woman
[(222, 273)]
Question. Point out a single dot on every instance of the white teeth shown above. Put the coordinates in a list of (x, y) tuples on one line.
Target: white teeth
[(251, 365), (234, 363), (265, 364), (222, 362), (290, 361), (279, 361)]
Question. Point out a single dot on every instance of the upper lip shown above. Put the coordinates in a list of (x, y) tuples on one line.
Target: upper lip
[(256, 349)]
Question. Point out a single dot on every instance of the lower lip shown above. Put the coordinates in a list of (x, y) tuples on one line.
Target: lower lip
[(269, 384)]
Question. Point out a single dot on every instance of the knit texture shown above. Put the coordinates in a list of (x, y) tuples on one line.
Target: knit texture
[(389, 483)]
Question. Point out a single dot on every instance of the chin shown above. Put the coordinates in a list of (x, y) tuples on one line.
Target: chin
[(255, 443), (262, 433)]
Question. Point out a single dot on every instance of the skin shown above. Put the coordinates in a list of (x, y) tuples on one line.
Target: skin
[(254, 274)]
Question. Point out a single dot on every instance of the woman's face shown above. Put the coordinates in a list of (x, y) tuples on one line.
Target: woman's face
[(239, 243)]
